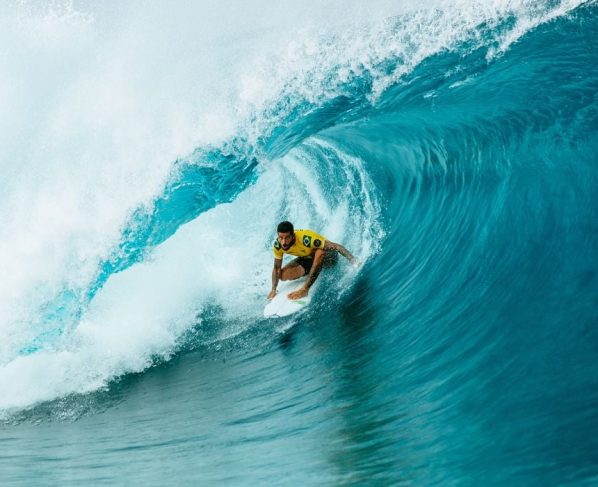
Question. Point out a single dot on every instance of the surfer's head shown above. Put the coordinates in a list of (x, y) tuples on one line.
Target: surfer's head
[(286, 234)]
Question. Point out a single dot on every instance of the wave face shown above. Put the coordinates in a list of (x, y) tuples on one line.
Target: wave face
[(453, 149)]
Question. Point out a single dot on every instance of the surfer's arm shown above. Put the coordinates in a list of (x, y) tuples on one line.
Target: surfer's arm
[(340, 249), (276, 273)]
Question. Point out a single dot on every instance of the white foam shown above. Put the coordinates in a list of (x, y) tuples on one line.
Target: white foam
[(223, 257)]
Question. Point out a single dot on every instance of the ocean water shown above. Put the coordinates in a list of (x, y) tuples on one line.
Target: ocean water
[(148, 152)]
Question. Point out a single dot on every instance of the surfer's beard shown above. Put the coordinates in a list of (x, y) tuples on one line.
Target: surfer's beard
[(287, 247)]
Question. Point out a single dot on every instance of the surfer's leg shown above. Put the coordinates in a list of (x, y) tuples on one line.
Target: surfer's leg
[(320, 257), (293, 270), (330, 258), (314, 271)]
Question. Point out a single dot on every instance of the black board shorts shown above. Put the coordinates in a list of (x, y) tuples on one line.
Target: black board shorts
[(306, 262)]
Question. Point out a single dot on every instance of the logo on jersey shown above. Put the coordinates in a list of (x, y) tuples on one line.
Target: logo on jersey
[(306, 241), (277, 245), (317, 242)]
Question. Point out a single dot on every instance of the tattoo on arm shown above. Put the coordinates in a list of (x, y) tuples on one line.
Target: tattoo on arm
[(276, 273), (340, 249)]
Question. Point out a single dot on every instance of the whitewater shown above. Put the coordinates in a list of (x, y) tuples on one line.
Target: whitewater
[(148, 153)]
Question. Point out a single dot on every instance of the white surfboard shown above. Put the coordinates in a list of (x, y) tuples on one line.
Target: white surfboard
[(281, 305)]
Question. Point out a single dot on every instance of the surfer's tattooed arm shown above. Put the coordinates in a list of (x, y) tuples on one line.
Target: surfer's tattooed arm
[(276, 275), (341, 250)]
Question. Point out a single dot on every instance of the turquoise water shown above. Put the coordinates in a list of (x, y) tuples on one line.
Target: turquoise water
[(453, 149)]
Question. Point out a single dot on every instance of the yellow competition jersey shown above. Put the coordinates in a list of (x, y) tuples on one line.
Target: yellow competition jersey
[(306, 241)]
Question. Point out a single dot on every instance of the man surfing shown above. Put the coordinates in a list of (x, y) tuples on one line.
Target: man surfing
[(313, 251)]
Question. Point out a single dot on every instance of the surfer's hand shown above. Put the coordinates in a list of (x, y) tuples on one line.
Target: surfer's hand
[(272, 294), (298, 294)]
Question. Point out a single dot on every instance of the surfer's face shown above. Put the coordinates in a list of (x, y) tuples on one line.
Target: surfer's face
[(286, 239)]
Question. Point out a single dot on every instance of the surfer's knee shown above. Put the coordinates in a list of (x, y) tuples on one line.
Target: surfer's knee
[(285, 275), (318, 255), (292, 272)]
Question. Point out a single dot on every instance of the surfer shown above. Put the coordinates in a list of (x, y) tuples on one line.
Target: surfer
[(313, 252)]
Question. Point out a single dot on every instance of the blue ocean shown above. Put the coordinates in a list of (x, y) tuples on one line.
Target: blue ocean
[(149, 150)]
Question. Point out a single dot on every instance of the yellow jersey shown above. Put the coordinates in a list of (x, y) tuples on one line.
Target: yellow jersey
[(306, 241)]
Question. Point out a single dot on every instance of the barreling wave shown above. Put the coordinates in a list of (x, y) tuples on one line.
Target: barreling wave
[(453, 150)]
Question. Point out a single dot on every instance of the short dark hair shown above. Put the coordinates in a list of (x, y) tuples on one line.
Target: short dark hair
[(285, 227)]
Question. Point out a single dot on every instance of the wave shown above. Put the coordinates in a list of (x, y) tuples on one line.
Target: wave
[(429, 138)]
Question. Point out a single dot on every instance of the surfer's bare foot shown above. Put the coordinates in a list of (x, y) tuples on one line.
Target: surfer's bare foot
[(272, 294), (298, 294)]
